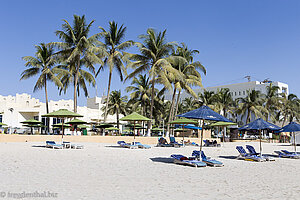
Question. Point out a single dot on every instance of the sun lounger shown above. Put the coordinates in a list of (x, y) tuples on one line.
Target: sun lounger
[(253, 152), (53, 145), (207, 143), (174, 143), (127, 145), (208, 161), (245, 156), (162, 142), (142, 146), (76, 146), (286, 155), (182, 160), (293, 154)]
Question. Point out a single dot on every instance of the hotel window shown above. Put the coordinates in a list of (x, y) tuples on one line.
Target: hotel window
[(234, 93), (56, 121), (244, 93), (239, 92), (36, 118)]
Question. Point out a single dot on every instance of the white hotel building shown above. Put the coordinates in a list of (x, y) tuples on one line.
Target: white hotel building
[(16, 109), (239, 90)]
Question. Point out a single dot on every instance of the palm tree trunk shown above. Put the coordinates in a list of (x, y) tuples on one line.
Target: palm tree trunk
[(47, 106), (152, 105), (118, 123), (107, 97), (76, 84), (144, 114), (177, 102), (248, 116), (171, 109)]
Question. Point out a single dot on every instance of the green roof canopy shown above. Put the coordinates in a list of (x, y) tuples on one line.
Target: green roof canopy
[(135, 117), (31, 121), (222, 124), (59, 125), (82, 126), (76, 121), (132, 125), (112, 129), (62, 113), (2, 124), (183, 121), (105, 125), (157, 129)]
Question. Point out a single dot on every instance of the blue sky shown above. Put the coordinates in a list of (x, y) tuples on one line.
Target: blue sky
[(235, 38)]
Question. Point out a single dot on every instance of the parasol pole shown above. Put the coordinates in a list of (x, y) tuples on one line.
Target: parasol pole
[(260, 142), (223, 135), (133, 132), (295, 142), (183, 135), (201, 138), (62, 135)]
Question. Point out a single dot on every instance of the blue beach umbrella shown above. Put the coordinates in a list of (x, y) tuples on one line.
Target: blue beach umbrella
[(204, 113), (192, 126), (260, 124), (292, 128)]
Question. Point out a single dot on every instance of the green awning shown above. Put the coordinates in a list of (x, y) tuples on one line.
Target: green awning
[(59, 125), (62, 113), (112, 129), (31, 121), (135, 117), (76, 121), (222, 124), (183, 121), (82, 126), (156, 129), (2, 124)]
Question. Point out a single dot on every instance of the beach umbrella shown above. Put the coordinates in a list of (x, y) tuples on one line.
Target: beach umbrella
[(82, 126), (183, 121), (112, 129), (204, 113), (76, 122), (104, 125), (192, 126), (2, 124), (62, 114), (31, 122), (156, 129), (134, 117), (260, 124), (292, 127), (223, 124), (59, 125)]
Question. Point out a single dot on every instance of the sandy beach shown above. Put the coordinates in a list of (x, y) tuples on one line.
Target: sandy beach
[(105, 171)]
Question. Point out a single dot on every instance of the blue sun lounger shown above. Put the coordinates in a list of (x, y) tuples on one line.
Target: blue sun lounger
[(127, 145), (286, 155), (142, 146), (208, 161), (291, 154), (245, 156), (174, 143), (253, 152), (182, 160), (53, 145)]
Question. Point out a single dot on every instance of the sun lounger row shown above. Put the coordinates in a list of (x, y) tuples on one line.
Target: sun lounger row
[(195, 160), (134, 145), (287, 154), (64, 145), (252, 155), (162, 142)]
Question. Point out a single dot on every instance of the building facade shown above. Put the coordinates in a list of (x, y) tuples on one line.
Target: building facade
[(16, 109)]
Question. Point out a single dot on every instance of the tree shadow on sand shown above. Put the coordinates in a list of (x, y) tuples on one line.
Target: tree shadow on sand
[(162, 160), (39, 146), (116, 146)]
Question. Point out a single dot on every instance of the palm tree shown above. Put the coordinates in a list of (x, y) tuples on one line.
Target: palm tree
[(189, 70), (290, 109), (206, 98), (116, 105), (140, 92), (189, 104), (272, 101), (68, 77), (43, 66), (223, 101), (252, 104), (114, 58), (77, 50), (154, 51)]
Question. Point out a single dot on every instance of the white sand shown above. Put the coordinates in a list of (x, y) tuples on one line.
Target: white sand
[(103, 172)]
